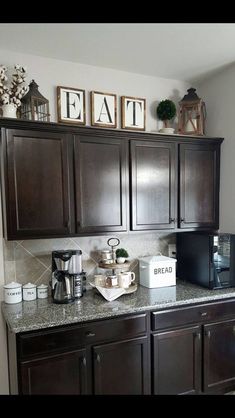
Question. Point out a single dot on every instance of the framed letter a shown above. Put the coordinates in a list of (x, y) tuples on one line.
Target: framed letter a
[(103, 109), (71, 105)]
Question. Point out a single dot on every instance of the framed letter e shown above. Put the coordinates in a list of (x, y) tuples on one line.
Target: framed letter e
[(71, 105)]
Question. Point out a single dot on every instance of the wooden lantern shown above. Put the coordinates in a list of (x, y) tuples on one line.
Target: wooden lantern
[(34, 106), (191, 114)]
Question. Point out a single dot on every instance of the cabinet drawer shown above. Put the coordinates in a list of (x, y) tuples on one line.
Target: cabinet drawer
[(48, 341), (194, 314)]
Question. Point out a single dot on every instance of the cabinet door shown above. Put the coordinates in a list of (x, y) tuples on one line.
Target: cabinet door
[(122, 368), (37, 184), (62, 374), (199, 186), (101, 183), (153, 180), (219, 356), (177, 362)]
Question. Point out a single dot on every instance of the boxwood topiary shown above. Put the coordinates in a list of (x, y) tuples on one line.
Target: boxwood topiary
[(121, 252), (166, 110)]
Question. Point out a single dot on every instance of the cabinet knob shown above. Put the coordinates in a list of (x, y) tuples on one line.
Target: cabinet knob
[(78, 224), (84, 361), (203, 314), (98, 358), (198, 335), (172, 220), (208, 334), (67, 224), (182, 219), (90, 334), (234, 330)]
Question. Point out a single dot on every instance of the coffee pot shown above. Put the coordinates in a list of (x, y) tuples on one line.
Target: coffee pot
[(66, 264)]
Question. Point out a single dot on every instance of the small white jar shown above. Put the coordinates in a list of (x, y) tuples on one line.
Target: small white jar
[(29, 291), (13, 292), (42, 291)]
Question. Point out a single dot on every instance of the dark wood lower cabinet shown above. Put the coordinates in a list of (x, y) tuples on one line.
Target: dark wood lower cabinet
[(121, 368), (180, 351), (219, 356), (62, 374), (177, 361)]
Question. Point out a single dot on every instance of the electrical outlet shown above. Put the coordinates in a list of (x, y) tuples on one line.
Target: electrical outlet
[(172, 250)]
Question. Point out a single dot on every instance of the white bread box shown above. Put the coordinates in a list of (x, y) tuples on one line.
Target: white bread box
[(157, 271)]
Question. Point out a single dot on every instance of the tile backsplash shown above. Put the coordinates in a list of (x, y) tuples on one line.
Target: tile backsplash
[(30, 260)]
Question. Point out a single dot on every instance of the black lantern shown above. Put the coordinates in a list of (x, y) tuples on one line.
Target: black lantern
[(191, 114), (34, 106)]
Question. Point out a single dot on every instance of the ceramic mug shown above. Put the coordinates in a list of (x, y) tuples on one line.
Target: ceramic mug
[(111, 281), (99, 280), (125, 279)]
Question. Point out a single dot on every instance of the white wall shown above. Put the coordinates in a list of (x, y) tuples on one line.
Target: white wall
[(218, 92), (49, 73)]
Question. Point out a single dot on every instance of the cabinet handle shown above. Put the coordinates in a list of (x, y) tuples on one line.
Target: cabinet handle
[(198, 335), (67, 224), (90, 334), (84, 361), (78, 224), (203, 314), (98, 358), (182, 219), (208, 334), (172, 220), (234, 330)]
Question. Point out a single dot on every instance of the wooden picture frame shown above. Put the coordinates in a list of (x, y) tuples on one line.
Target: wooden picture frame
[(71, 105), (103, 109), (133, 111)]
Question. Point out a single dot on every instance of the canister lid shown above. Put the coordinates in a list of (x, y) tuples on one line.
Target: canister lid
[(157, 259), (42, 286), (12, 285), (29, 286)]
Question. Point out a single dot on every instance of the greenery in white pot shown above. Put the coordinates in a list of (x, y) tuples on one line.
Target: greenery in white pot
[(121, 255), (166, 110)]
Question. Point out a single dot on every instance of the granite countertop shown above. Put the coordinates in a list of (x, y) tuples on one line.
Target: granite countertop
[(43, 313)]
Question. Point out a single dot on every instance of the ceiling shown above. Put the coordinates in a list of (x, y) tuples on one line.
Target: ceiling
[(182, 51)]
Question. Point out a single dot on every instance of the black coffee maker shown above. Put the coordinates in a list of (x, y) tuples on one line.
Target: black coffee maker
[(65, 264)]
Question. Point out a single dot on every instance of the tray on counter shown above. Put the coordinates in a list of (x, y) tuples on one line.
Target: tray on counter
[(112, 293)]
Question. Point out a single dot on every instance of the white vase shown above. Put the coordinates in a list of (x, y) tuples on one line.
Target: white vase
[(121, 260), (9, 111), (167, 130)]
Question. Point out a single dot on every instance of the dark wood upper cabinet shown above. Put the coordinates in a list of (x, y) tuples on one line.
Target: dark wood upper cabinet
[(60, 180), (153, 185), (101, 183), (37, 184), (199, 186)]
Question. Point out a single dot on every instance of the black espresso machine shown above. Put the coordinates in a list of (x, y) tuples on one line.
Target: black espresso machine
[(67, 276), (206, 259)]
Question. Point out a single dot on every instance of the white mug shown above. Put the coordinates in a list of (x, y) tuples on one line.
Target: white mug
[(125, 279), (13, 292), (100, 280), (29, 291)]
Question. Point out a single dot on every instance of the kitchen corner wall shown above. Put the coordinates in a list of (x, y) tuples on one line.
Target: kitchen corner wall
[(30, 260)]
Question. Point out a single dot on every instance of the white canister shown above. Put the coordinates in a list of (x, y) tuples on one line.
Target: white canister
[(42, 291), (13, 292), (29, 291)]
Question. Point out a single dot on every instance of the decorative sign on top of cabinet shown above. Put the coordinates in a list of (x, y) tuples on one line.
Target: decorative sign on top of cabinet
[(60, 180)]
